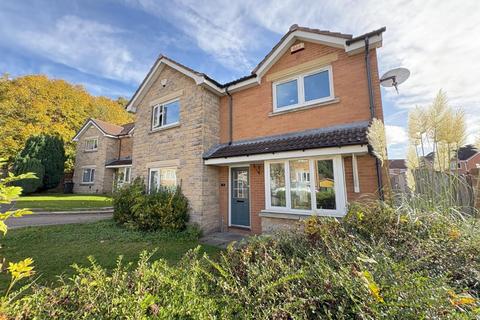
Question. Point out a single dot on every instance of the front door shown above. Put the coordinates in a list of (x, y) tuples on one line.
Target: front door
[(240, 195)]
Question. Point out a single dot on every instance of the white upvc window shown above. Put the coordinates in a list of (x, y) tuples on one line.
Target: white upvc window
[(123, 175), (88, 175), (165, 177), (91, 144), (166, 114), (306, 186), (303, 90)]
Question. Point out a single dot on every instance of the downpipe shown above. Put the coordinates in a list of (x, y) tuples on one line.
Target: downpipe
[(373, 114)]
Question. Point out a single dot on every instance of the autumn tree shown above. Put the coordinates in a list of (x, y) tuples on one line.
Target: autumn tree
[(34, 104)]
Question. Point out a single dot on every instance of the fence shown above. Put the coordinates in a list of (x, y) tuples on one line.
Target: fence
[(448, 190)]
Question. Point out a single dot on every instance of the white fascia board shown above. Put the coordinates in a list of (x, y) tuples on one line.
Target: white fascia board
[(244, 84), (357, 149), (199, 80), (85, 126), (118, 166), (359, 46)]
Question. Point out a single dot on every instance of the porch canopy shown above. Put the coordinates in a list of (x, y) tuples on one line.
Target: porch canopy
[(119, 163), (344, 139)]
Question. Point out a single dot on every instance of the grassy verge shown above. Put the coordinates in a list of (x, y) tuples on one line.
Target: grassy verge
[(61, 202), (55, 248)]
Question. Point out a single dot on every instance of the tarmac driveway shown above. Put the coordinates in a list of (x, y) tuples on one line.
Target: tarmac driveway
[(46, 219)]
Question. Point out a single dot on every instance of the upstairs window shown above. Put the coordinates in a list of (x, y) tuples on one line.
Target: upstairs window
[(91, 144), (303, 90), (166, 114), (88, 175)]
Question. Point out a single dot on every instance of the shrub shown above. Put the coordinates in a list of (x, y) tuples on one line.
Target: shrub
[(164, 209), (124, 199), (49, 150), (374, 264), (25, 165)]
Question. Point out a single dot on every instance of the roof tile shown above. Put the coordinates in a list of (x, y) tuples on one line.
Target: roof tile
[(352, 134)]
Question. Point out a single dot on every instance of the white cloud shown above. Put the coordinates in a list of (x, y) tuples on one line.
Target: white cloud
[(218, 28), (396, 135), (85, 45)]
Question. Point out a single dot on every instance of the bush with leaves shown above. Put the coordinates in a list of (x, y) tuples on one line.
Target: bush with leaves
[(124, 199), (24, 165), (374, 264), (22, 269), (163, 209)]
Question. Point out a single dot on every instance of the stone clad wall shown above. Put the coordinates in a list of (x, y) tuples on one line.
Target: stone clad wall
[(181, 146), (107, 149)]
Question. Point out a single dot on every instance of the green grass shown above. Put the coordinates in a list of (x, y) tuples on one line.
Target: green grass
[(55, 248), (60, 202)]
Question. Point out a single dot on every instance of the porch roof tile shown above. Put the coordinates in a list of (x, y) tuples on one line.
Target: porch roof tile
[(337, 136)]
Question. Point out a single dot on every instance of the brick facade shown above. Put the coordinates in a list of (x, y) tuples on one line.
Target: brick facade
[(252, 118)]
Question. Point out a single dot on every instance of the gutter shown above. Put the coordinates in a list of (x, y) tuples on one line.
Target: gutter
[(366, 36), (371, 101)]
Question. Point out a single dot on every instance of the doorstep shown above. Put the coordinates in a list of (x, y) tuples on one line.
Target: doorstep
[(222, 239)]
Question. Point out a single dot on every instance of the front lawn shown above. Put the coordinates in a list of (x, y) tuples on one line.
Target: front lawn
[(61, 202), (55, 248)]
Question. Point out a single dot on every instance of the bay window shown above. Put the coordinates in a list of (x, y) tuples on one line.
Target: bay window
[(166, 114), (306, 186), (303, 90)]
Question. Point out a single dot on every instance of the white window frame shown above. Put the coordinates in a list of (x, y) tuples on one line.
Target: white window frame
[(161, 108), (150, 170), (301, 90), (87, 140), (340, 190), (125, 169), (90, 181)]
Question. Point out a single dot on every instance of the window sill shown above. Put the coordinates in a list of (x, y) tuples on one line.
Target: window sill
[(87, 183), (304, 107), (295, 216), (170, 126), (95, 150)]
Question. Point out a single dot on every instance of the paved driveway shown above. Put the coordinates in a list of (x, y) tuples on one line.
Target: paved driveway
[(55, 218)]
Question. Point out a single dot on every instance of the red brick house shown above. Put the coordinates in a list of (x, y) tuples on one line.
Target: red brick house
[(263, 151)]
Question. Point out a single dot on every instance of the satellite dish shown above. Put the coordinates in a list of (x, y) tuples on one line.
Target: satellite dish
[(394, 77)]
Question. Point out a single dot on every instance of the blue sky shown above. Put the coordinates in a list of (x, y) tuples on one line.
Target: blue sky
[(108, 46)]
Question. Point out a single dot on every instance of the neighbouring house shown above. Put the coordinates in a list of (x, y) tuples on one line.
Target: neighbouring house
[(104, 156), (260, 152), (397, 169), (468, 159)]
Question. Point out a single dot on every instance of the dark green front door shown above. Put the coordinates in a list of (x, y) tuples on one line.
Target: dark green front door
[(240, 198)]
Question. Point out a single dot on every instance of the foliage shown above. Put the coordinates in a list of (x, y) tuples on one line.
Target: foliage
[(378, 141), (163, 209), (34, 104), (432, 182), (9, 193), (24, 165), (377, 263), (49, 150), (124, 199)]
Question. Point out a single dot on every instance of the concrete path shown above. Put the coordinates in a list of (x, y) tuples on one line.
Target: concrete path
[(222, 239), (46, 219)]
